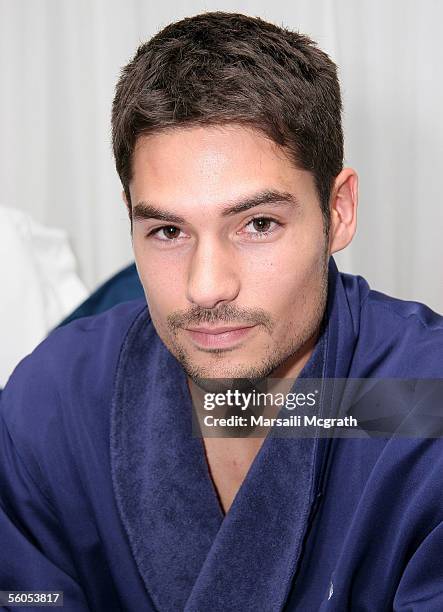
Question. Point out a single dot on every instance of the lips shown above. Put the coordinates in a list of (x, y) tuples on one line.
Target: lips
[(217, 330), (218, 337)]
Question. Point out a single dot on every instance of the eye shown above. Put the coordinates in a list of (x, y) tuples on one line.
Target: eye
[(167, 233), (261, 227)]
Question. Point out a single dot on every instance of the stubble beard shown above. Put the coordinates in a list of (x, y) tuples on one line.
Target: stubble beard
[(276, 355)]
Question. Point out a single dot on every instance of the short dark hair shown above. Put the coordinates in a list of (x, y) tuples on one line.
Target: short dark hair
[(225, 68)]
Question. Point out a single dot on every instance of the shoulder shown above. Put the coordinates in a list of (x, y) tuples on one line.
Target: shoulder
[(94, 341), (405, 338), (406, 313), (408, 334), (71, 372)]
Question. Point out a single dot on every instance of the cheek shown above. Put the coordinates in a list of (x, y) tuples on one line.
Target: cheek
[(162, 280), (286, 275)]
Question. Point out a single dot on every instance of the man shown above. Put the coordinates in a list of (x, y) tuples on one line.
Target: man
[(228, 142)]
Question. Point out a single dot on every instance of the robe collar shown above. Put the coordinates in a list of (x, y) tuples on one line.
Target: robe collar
[(190, 556)]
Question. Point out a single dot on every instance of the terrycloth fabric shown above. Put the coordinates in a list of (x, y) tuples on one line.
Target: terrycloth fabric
[(106, 495)]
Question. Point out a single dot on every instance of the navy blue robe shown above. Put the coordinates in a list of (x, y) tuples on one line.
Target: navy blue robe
[(106, 495)]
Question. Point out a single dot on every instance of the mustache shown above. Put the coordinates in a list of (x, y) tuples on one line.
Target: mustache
[(227, 313)]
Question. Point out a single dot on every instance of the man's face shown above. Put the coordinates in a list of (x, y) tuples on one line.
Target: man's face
[(230, 247)]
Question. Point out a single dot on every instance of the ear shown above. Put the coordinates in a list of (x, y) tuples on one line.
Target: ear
[(343, 203)]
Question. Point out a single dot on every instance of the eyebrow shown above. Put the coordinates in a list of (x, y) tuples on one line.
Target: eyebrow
[(145, 210)]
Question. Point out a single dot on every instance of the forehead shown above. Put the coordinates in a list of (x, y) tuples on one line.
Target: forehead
[(211, 164)]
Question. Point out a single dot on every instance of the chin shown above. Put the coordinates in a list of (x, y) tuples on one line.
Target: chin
[(223, 366)]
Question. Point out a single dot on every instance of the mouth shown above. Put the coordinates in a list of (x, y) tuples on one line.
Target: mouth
[(218, 337)]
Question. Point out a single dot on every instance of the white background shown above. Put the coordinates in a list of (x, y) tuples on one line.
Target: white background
[(60, 59)]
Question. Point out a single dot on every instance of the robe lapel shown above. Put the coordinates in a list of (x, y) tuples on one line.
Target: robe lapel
[(161, 481)]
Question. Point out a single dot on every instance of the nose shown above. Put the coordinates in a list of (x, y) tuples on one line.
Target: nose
[(213, 278)]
